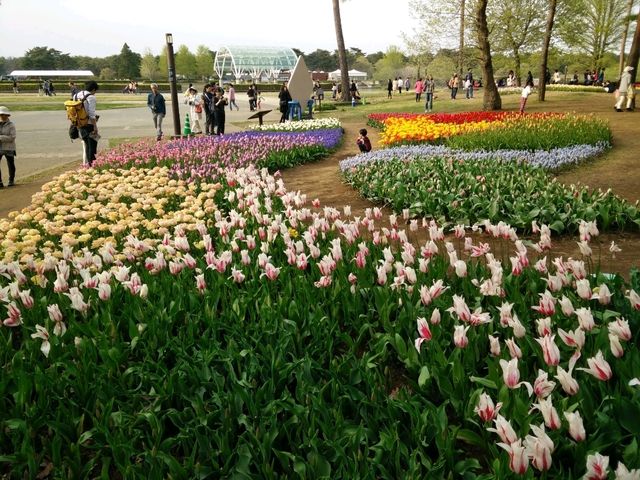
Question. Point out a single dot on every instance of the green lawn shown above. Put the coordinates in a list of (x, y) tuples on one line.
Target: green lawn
[(29, 102)]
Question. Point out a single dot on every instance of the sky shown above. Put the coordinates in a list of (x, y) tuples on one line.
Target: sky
[(100, 28)]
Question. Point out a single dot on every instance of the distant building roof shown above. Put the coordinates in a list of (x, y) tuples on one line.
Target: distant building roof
[(51, 73)]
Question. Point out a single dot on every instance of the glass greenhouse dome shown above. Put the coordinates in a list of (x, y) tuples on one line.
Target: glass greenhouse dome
[(253, 62)]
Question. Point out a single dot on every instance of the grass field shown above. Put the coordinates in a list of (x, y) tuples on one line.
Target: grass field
[(30, 102)]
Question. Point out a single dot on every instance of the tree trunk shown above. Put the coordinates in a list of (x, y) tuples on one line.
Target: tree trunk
[(342, 53), (634, 53), (461, 53), (518, 66), (542, 84), (491, 99), (625, 32)]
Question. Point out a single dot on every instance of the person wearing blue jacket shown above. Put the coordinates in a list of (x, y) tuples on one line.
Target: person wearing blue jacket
[(155, 101)]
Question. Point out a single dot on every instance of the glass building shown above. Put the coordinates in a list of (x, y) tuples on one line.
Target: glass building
[(253, 63)]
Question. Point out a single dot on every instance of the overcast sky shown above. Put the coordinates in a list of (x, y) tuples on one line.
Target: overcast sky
[(100, 28)]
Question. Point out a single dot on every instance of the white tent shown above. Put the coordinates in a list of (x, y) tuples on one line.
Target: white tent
[(51, 73), (353, 75)]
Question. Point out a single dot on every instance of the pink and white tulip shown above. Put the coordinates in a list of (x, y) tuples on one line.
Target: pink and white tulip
[(485, 408), (597, 467), (550, 351), (549, 413), (42, 334), (460, 339), (539, 448), (620, 328), (518, 457), (542, 387), (598, 367), (504, 430), (576, 427), (423, 331)]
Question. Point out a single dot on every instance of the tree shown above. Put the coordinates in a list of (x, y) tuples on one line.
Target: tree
[(441, 66), (625, 32), (374, 57), (391, 65), (516, 25), (491, 99), (361, 63), (149, 65), (127, 63), (185, 62), (107, 73), (542, 85), (204, 62), (592, 26), (437, 20), (634, 53), (44, 58), (162, 63), (342, 52), (419, 46), (321, 60)]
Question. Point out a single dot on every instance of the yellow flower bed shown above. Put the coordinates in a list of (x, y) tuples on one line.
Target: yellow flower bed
[(90, 208), (423, 129)]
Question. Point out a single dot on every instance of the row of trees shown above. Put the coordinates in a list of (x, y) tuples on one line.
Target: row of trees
[(126, 65), (589, 28)]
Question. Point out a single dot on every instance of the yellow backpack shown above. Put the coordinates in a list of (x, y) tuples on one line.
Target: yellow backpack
[(76, 113)]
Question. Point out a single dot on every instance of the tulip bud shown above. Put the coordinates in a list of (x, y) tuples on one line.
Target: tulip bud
[(576, 427)]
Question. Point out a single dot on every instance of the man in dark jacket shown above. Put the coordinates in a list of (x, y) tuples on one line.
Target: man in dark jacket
[(155, 101)]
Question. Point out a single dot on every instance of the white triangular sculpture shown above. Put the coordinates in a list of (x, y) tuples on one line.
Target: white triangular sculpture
[(300, 84)]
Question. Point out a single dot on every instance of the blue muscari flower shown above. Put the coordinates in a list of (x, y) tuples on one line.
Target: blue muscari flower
[(548, 160)]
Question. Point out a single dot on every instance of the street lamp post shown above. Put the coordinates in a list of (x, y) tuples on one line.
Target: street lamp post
[(174, 88)]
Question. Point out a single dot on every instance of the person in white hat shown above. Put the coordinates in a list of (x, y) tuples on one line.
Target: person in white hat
[(7, 144), (625, 90)]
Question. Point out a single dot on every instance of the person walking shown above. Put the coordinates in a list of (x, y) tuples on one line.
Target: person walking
[(419, 86), (429, 89), (232, 98), (7, 144), (156, 103), (390, 89), (625, 90), (89, 133), (284, 98), (16, 87)]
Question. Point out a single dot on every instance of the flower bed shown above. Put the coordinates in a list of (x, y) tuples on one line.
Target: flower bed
[(207, 157), (553, 159), (492, 130), (556, 88), (439, 177), (457, 187), (261, 336), (299, 126)]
